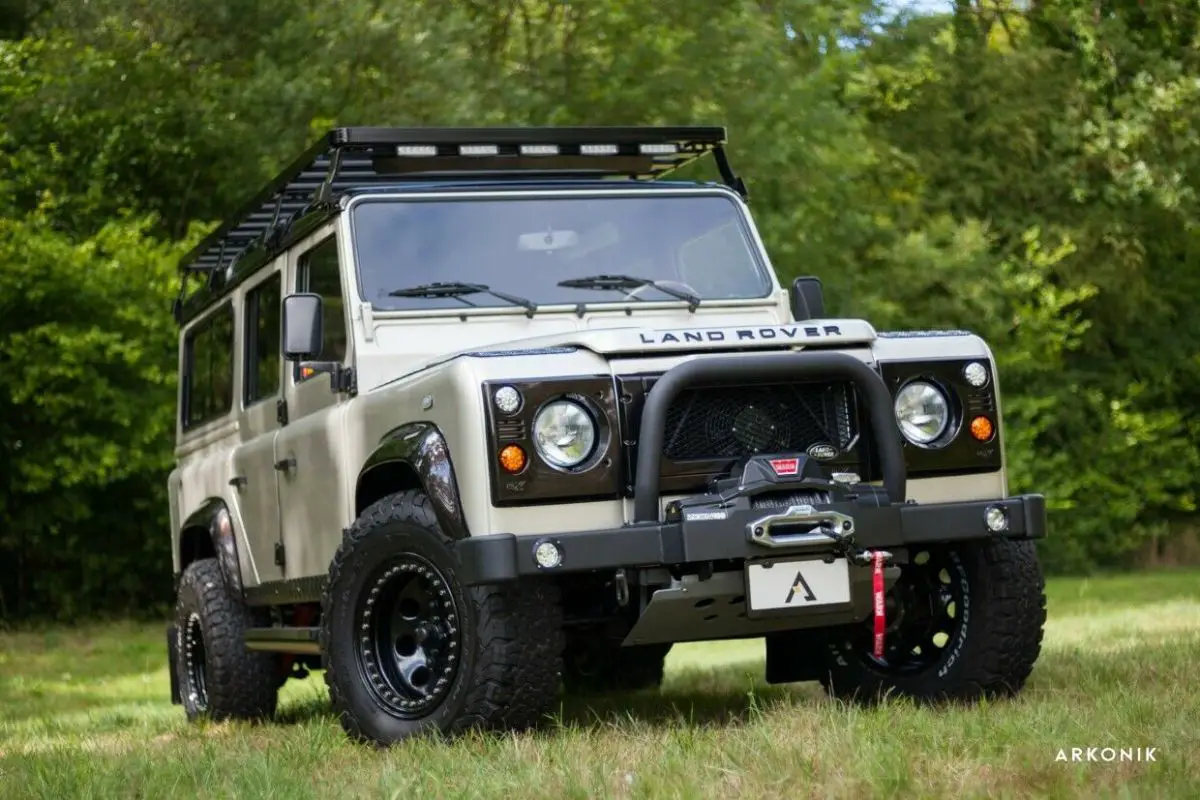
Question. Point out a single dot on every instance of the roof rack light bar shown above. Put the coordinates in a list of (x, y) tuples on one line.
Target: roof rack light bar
[(348, 158)]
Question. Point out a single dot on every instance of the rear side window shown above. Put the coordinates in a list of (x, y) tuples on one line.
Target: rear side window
[(208, 369), (262, 340)]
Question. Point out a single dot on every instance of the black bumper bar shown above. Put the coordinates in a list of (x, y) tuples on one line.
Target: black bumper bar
[(704, 535)]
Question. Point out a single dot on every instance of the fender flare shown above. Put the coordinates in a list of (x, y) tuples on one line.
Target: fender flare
[(213, 516), (421, 447)]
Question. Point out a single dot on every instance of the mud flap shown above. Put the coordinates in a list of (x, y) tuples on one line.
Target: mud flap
[(172, 661), (794, 656)]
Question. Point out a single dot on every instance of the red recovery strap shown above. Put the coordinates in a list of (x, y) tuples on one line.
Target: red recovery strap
[(877, 587)]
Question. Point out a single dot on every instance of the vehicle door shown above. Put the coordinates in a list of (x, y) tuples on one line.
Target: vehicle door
[(256, 477), (314, 500)]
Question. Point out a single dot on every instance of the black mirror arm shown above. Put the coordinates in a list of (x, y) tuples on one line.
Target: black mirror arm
[(341, 377)]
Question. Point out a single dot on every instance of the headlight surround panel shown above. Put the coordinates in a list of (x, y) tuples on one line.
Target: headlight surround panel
[(954, 451), (596, 477)]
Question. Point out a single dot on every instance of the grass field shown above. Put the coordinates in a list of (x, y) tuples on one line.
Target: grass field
[(84, 713)]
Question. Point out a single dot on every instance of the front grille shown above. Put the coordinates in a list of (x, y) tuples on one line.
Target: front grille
[(737, 421)]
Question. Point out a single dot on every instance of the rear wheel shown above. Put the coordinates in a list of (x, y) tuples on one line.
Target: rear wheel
[(409, 650), (964, 622), (218, 677)]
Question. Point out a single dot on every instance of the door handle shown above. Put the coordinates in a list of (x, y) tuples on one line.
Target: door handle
[(285, 464), (238, 481)]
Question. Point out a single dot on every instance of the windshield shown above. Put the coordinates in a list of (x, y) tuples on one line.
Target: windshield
[(526, 246)]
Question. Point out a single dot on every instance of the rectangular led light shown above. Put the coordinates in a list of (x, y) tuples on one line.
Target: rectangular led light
[(658, 149), (539, 149), (598, 149), (416, 150), (478, 149)]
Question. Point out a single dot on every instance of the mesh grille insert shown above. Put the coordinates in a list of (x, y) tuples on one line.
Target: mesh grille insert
[(735, 421)]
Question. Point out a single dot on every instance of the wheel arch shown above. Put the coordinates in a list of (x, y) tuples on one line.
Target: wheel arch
[(414, 456), (209, 533)]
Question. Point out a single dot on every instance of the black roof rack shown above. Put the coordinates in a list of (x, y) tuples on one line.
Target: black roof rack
[(348, 159), (356, 158)]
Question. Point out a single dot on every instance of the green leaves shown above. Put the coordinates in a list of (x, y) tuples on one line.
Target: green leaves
[(1027, 175)]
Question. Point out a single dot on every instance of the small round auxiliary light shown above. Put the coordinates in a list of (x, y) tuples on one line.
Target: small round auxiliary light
[(975, 374), (548, 555), (512, 459), (982, 429), (507, 399), (996, 519)]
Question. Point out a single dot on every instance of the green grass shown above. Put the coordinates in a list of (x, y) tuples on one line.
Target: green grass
[(83, 713)]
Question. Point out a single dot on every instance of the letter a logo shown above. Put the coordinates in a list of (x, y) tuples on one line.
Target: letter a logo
[(798, 584)]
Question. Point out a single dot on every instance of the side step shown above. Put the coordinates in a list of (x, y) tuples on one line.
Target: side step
[(302, 641)]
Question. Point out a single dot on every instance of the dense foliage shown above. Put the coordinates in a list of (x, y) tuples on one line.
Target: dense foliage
[(1026, 170)]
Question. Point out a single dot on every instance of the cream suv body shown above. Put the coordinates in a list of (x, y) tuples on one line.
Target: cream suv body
[(465, 415)]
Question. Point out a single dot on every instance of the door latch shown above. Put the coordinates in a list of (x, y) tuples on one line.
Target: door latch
[(286, 464)]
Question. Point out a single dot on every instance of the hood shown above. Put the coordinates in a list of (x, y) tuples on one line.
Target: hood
[(641, 340)]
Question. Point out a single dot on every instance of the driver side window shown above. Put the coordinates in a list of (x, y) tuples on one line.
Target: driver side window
[(318, 273)]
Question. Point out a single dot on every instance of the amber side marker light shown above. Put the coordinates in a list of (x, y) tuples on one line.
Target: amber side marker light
[(512, 458), (982, 428)]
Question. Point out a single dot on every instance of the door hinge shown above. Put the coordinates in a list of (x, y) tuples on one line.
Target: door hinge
[(281, 411), (280, 554), (344, 381)]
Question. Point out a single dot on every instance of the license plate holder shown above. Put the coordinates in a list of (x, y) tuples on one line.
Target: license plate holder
[(775, 586)]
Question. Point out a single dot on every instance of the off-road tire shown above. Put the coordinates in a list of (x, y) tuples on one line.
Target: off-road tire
[(598, 666), (993, 652), (237, 683), (509, 637)]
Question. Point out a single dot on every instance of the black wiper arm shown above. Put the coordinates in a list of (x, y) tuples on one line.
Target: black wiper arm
[(602, 282), (459, 290)]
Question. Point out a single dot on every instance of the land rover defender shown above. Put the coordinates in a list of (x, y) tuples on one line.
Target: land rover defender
[(469, 417)]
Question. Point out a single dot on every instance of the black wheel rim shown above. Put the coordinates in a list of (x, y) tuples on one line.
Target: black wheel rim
[(926, 615), (194, 663), (408, 644)]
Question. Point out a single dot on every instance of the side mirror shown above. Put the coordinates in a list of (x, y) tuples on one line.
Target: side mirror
[(303, 326), (808, 298)]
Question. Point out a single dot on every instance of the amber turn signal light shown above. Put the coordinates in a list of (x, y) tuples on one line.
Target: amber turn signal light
[(512, 458), (982, 428)]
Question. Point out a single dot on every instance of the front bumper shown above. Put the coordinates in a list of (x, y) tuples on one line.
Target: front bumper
[(698, 537), (772, 507)]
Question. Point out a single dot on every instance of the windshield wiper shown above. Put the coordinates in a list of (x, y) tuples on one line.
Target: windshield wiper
[(618, 282), (460, 291)]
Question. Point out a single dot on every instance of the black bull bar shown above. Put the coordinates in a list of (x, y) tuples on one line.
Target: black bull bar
[(776, 366)]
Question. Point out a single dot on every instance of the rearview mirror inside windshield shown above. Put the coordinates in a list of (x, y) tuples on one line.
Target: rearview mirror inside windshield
[(547, 241)]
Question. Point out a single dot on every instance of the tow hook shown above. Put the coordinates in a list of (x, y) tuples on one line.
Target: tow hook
[(622, 587)]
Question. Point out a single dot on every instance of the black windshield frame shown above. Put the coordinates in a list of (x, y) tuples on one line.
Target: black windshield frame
[(390, 231)]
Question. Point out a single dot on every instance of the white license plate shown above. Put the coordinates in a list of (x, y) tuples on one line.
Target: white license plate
[(797, 584)]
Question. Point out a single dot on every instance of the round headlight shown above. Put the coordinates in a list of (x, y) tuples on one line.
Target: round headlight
[(922, 411), (564, 433)]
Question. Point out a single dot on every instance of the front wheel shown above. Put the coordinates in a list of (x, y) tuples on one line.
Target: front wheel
[(964, 622), (409, 650)]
